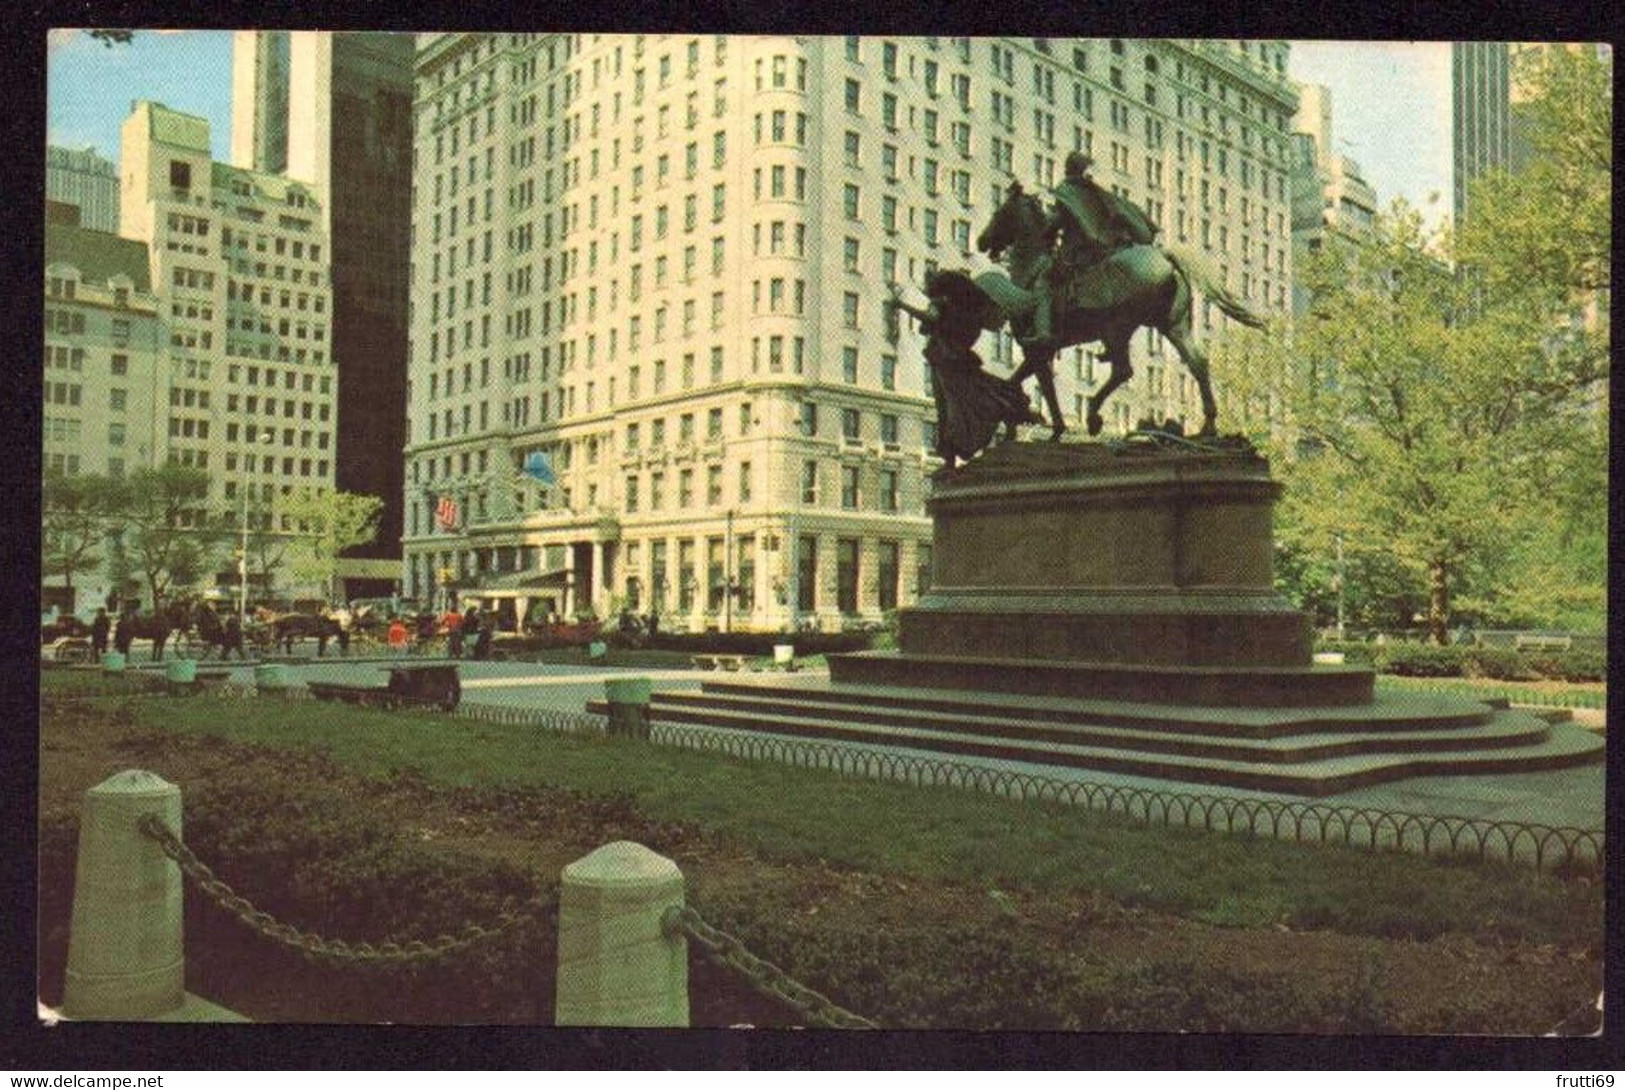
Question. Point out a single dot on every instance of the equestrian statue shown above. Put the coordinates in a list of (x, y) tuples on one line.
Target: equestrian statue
[(1106, 279)]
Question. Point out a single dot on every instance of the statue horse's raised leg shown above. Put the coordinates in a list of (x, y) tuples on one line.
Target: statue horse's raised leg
[(1038, 361), (1122, 371)]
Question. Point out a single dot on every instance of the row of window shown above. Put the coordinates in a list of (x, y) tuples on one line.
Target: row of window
[(291, 379)]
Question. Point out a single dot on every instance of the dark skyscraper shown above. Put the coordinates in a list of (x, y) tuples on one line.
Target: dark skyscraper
[(1481, 109), (335, 109)]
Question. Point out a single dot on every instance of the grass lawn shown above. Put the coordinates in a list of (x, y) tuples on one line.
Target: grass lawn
[(804, 865), (798, 814)]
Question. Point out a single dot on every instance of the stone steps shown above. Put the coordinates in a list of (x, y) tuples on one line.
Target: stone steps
[(1487, 731), (1319, 751), (1397, 712)]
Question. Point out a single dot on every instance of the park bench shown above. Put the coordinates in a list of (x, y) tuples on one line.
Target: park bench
[(1525, 642), (718, 662), (68, 649), (427, 685)]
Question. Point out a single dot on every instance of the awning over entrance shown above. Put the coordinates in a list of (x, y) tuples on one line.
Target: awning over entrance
[(347, 567), (515, 584)]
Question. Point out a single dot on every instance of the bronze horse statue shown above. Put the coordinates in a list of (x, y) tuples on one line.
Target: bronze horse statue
[(1132, 287)]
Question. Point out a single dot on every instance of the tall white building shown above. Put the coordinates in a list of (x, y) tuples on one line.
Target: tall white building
[(1329, 192), (83, 178), (239, 264), (662, 263)]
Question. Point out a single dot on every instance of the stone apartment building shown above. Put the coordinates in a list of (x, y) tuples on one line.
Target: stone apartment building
[(662, 263)]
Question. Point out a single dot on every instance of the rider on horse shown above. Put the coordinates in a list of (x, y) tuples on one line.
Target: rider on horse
[(1092, 223)]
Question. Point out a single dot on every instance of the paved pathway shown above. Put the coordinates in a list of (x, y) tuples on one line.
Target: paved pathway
[(1565, 797)]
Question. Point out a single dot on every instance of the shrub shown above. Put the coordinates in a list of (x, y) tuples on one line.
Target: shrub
[(1418, 660), (1355, 652), (1571, 665), (761, 643), (1500, 663)]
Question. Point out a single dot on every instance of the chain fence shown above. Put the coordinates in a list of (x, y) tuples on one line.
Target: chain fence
[(678, 922), (412, 952), (1566, 850), (768, 979)]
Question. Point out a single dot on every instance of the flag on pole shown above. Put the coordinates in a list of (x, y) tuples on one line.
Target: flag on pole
[(537, 469), (445, 513)]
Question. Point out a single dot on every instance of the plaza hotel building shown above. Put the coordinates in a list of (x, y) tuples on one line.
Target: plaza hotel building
[(662, 263)]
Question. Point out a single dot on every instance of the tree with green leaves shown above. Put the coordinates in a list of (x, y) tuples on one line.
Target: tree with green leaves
[(1453, 383), (326, 522), (76, 512), (169, 533), (1439, 410)]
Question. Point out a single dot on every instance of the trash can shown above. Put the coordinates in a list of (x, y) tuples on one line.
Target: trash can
[(628, 699), (784, 655), (112, 662), (180, 675), (597, 650), (271, 677)]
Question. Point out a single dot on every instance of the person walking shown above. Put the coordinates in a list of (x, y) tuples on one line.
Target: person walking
[(397, 637), (454, 633), (234, 638), (470, 628), (99, 629), (124, 634), (482, 642)]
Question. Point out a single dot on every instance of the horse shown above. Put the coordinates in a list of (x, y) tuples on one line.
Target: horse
[(211, 632), (1156, 290), (150, 626), (291, 626)]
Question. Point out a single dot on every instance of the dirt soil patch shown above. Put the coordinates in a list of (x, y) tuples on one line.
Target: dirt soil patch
[(907, 952)]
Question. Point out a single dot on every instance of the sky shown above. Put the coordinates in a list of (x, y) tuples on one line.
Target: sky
[(1390, 100)]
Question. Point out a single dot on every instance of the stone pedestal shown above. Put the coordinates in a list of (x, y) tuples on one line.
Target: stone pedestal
[(1150, 556), (1127, 563)]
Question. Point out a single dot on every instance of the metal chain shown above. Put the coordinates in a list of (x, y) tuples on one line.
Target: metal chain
[(764, 976), (411, 952)]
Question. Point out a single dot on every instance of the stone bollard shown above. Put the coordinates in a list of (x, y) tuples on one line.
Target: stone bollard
[(616, 966), (112, 662), (784, 656), (125, 954), (628, 699), (597, 650)]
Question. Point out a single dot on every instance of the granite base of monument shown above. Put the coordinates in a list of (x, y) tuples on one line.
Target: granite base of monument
[(1110, 606)]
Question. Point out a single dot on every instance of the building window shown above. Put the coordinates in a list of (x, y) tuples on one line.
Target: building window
[(846, 575), (807, 574), (849, 487), (849, 364), (744, 482), (809, 482), (887, 563), (888, 490), (849, 425), (180, 174)]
